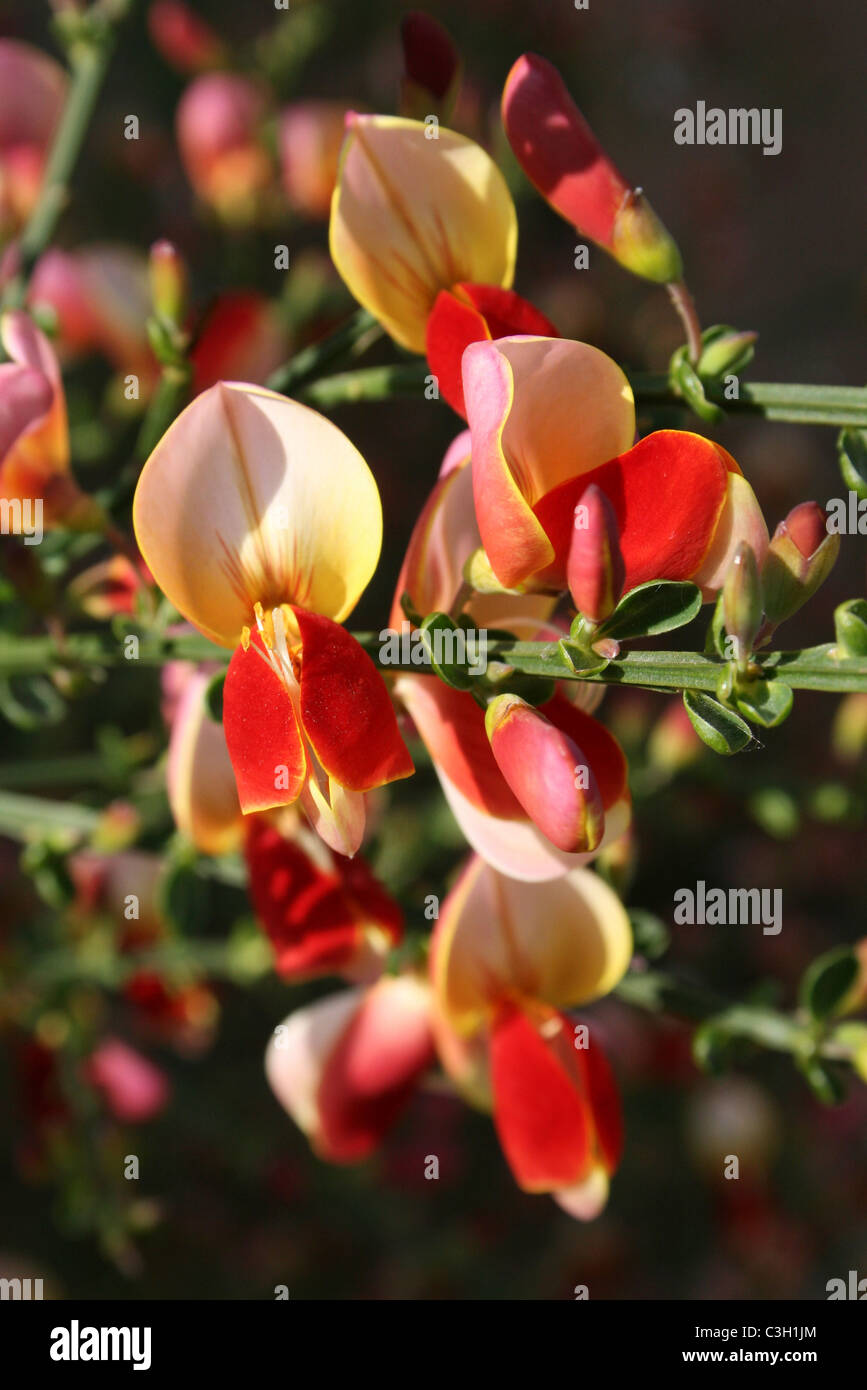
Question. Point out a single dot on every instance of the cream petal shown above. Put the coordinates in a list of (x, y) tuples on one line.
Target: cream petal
[(252, 497)]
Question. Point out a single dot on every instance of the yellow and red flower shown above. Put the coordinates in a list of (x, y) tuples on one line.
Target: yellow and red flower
[(262, 524), (506, 959), (548, 419)]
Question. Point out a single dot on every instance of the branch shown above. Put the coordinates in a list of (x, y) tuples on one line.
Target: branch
[(837, 406), (91, 39)]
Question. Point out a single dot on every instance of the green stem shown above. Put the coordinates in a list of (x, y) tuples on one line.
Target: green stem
[(90, 53), (168, 398), (837, 406), (814, 668), (351, 338)]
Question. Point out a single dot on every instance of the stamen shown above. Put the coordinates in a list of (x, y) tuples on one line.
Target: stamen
[(245, 638)]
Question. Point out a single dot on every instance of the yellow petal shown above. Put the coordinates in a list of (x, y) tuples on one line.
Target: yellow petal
[(250, 497), (412, 216), (561, 942)]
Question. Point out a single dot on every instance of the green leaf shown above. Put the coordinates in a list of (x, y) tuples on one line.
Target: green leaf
[(688, 384), (182, 896), (711, 1047), (850, 627), (214, 697), (827, 982), (720, 728), (649, 933), (658, 606), (580, 658), (448, 650), (765, 702), (852, 453)]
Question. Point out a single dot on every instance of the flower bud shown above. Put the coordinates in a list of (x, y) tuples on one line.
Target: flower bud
[(728, 351), (562, 157), (183, 38), (849, 730), (432, 74), (168, 278), (595, 570), (548, 773), (218, 127), (311, 134), (800, 558), (742, 600)]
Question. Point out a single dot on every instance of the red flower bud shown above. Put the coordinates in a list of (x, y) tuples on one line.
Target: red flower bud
[(595, 570)]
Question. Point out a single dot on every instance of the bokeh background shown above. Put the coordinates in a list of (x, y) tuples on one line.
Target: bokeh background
[(230, 1201)]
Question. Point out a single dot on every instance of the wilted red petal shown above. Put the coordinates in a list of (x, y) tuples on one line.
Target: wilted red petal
[(468, 314), (316, 915), (345, 708), (262, 732)]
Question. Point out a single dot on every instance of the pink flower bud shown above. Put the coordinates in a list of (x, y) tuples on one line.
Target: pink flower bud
[(562, 157), (134, 1089), (548, 773), (595, 570), (218, 129)]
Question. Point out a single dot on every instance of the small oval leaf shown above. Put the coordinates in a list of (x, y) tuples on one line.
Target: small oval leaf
[(720, 728), (658, 606)]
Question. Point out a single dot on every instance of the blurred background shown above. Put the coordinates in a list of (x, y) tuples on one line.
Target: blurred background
[(230, 1201)]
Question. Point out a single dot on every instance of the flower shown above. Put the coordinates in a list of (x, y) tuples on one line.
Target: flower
[(32, 95), (133, 1088), (324, 914), (563, 159), (492, 800), (262, 524), (219, 123), (413, 215), (199, 777), (311, 135), (34, 437), (101, 300), (549, 418), (506, 960), (345, 1067)]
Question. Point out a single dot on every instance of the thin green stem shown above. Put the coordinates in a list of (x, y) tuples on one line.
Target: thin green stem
[(814, 668), (90, 53), (837, 406), (352, 337)]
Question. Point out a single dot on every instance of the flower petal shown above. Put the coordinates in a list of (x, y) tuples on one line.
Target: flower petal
[(470, 314), (345, 708), (562, 942), (412, 216), (668, 493), (199, 777), (543, 1121), (262, 733), (250, 497), (541, 411)]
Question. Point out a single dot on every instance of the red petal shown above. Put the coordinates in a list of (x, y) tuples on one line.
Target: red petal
[(469, 314), (601, 1090), (345, 708), (262, 732), (543, 1122), (667, 493)]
